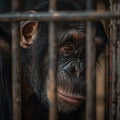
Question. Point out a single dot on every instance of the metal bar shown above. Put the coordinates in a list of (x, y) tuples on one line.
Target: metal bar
[(114, 73), (59, 16), (52, 64), (16, 71), (116, 64), (52, 5), (112, 107), (16, 78), (114, 113), (90, 72), (90, 69), (118, 72)]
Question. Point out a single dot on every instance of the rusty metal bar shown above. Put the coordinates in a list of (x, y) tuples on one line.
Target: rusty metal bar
[(52, 64), (114, 73), (118, 72), (90, 69), (118, 61), (114, 112), (16, 71), (59, 16)]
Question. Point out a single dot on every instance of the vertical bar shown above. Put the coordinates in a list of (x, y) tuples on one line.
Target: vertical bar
[(114, 77), (118, 61), (90, 70), (112, 114), (115, 63), (110, 65), (16, 71), (52, 64), (118, 71), (116, 46)]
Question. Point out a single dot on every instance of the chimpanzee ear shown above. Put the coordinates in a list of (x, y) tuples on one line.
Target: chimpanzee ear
[(28, 30)]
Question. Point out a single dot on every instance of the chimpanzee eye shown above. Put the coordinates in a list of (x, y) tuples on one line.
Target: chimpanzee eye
[(68, 49)]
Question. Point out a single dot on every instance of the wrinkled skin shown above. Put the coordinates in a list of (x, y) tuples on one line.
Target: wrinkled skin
[(71, 65)]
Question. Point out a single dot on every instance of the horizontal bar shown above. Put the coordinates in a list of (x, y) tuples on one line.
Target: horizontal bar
[(59, 16)]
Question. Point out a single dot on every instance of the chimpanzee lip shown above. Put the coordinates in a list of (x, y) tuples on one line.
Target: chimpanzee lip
[(70, 99)]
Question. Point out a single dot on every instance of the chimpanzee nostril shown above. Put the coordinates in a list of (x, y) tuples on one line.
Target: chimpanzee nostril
[(77, 68)]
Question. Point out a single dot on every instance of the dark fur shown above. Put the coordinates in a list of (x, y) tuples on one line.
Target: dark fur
[(5, 76)]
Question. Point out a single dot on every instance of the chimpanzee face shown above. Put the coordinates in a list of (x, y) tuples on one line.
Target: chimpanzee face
[(71, 61), (70, 67)]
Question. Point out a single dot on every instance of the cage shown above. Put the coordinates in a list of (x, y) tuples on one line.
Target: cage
[(102, 82)]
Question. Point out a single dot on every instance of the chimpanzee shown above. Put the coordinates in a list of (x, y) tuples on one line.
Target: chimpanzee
[(71, 65)]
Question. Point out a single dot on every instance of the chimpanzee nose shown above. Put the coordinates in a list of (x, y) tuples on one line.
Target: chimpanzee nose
[(77, 67)]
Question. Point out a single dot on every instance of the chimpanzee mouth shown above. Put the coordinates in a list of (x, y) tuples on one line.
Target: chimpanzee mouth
[(70, 99)]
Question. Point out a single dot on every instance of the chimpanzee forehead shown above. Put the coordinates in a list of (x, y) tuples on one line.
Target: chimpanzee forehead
[(71, 25), (61, 28)]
